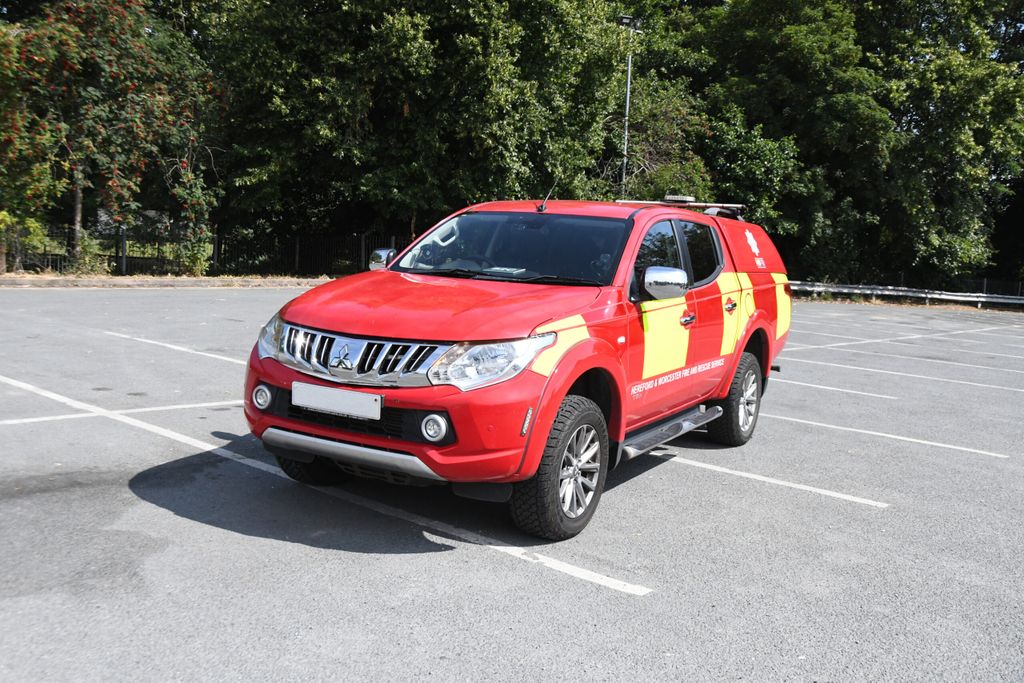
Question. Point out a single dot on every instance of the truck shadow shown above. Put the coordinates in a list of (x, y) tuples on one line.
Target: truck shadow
[(631, 469), (697, 440), (246, 499), (253, 500), (229, 495)]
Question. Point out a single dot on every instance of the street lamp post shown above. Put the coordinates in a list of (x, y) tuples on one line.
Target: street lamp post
[(634, 27)]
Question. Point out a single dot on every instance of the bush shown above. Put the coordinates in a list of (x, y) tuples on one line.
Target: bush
[(21, 236), (91, 260)]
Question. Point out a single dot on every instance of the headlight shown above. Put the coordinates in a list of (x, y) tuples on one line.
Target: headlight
[(470, 366), (269, 342)]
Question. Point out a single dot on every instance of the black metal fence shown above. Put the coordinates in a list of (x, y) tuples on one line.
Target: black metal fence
[(308, 254), (993, 286), (301, 254)]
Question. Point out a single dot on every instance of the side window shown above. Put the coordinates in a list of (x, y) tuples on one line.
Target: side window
[(659, 248), (703, 251)]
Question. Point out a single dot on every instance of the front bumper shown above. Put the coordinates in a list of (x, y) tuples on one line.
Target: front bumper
[(363, 456), (487, 425)]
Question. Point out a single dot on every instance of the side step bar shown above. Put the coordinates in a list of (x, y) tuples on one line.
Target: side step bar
[(652, 437)]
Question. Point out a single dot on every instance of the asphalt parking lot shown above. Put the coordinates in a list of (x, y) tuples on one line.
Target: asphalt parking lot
[(872, 529)]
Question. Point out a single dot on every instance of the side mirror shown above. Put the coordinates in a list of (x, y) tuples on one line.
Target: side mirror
[(665, 283), (380, 258)]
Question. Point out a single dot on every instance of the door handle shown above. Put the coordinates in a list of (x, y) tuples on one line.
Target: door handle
[(731, 306), (688, 319)]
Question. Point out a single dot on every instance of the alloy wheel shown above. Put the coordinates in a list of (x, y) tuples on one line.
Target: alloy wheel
[(581, 467), (748, 402)]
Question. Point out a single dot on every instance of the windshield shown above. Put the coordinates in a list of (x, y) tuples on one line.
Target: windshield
[(524, 247)]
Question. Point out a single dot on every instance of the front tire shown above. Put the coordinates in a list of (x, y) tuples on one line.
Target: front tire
[(741, 407), (558, 502)]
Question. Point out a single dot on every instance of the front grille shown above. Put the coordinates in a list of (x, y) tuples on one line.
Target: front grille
[(394, 423), (354, 360)]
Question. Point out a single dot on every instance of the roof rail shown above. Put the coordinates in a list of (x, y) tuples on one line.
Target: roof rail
[(734, 211)]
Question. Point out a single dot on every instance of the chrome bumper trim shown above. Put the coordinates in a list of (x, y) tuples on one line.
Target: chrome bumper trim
[(350, 453)]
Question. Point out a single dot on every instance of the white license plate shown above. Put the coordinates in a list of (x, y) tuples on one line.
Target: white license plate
[(337, 401)]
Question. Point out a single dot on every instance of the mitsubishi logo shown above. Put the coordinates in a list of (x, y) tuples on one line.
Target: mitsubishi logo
[(340, 359)]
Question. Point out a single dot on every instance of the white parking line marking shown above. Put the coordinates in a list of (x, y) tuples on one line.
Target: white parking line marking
[(828, 334), (928, 360), (154, 409), (822, 386), (175, 347), (48, 418), (180, 406), (1002, 336), (977, 353), (913, 336), (987, 343), (387, 510), (886, 436), (862, 324), (771, 480), (846, 325), (901, 374)]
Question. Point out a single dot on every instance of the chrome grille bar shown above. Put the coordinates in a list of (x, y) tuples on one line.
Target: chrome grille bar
[(353, 360)]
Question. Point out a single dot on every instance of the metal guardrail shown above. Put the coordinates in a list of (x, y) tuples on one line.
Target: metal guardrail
[(928, 295)]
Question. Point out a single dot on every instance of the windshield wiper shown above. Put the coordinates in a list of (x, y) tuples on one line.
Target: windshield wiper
[(451, 272), (561, 280)]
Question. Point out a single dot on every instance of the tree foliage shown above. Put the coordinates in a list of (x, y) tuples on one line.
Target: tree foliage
[(958, 114), (873, 138), (108, 99), (387, 112)]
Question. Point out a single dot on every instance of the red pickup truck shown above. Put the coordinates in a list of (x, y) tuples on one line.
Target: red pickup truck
[(520, 350)]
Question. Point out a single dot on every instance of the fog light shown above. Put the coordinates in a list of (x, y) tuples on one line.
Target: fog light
[(261, 397), (434, 428)]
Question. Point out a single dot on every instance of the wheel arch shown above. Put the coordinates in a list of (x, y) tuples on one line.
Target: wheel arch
[(599, 386), (757, 341), (590, 369), (757, 344)]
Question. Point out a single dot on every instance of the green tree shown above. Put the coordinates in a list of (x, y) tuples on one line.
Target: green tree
[(796, 72), (386, 113), (955, 93), (682, 142), (891, 128), (20, 236), (27, 152), (120, 95)]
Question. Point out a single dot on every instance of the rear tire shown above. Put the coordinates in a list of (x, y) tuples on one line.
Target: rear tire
[(558, 502), (320, 472), (741, 407)]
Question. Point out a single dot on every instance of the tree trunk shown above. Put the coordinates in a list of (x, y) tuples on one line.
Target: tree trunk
[(76, 227), (3, 255)]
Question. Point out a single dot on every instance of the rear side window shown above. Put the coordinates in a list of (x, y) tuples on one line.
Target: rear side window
[(703, 250)]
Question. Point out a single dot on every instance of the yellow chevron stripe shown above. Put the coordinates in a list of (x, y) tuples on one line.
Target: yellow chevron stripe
[(569, 332), (783, 305)]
